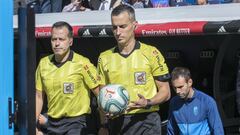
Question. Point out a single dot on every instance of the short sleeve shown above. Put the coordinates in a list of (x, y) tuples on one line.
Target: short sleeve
[(90, 75), (38, 79), (100, 69), (159, 67)]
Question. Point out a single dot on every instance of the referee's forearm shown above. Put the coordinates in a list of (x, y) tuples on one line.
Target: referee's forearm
[(96, 91), (163, 93)]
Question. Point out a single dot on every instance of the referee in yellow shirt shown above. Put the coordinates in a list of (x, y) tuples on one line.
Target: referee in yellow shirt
[(65, 77), (142, 70)]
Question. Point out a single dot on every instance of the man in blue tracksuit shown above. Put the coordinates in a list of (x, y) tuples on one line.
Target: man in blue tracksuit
[(191, 112)]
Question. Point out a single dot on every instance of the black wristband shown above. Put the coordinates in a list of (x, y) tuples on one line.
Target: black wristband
[(148, 106)]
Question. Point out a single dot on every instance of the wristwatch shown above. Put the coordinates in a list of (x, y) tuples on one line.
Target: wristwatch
[(148, 106)]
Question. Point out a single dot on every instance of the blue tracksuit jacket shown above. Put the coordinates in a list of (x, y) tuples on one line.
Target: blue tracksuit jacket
[(196, 116)]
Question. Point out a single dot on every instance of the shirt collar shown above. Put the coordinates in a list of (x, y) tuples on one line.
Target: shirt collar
[(70, 58), (136, 46), (194, 95)]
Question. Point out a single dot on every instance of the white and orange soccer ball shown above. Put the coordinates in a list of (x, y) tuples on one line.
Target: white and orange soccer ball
[(113, 99)]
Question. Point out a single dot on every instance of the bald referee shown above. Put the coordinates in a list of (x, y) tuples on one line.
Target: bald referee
[(142, 70), (65, 77)]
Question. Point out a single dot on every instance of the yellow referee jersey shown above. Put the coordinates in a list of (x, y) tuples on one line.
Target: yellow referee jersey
[(67, 87), (135, 72)]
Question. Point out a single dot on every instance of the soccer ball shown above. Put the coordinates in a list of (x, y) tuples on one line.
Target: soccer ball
[(113, 98)]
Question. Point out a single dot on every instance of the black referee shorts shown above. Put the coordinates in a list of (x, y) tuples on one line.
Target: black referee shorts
[(67, 126), (136, 124)]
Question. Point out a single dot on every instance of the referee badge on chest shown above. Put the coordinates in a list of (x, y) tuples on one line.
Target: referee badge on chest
[(68, 88), (140, 78)]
